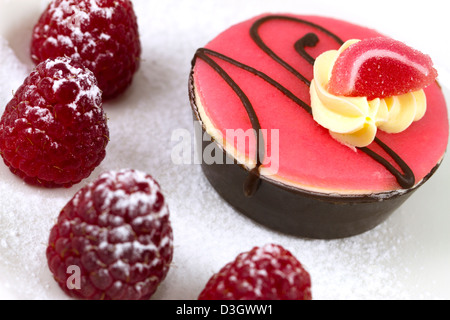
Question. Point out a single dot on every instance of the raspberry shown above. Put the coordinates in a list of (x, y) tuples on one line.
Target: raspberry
[(116, 232), (54, 132), (267, 273), (101, 34)]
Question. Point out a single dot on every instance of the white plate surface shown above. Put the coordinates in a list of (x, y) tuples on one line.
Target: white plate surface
[(407, 257)]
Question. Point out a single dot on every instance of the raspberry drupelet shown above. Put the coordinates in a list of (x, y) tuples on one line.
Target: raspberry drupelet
[(267, 273), (116, 232), (101, 34), (54, 132)]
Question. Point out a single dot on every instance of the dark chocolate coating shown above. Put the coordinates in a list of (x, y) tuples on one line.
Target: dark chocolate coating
[(299, 213)]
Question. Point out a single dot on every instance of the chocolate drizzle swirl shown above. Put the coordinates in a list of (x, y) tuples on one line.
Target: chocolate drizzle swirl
[(405, 177), (310, 40)]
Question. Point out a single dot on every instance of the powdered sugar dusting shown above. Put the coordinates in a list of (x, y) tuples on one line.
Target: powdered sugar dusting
[(43, 113), (72, 15), (137, 205), (407, 257), (136, 201), (106, 11), (269, 252)]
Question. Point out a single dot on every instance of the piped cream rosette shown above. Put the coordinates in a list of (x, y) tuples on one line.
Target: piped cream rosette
[(354, 121)]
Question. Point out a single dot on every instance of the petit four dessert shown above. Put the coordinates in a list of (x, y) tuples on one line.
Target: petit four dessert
[(319, 128)]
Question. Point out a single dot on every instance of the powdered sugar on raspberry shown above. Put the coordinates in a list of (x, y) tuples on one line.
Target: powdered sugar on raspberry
[(89, 90), (72, 16), (43, 114), (140, 202), (138, 205)]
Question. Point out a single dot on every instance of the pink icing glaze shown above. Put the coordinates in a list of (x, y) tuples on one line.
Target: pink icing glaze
[(308, 154)]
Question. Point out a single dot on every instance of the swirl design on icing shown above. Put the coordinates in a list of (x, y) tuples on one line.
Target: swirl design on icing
[(354, 121), (405, 177)]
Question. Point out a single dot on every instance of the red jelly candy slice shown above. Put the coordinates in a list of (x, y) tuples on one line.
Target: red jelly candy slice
[(379, 68)]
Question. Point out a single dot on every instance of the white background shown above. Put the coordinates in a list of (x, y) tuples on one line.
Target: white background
[(408, 257)]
